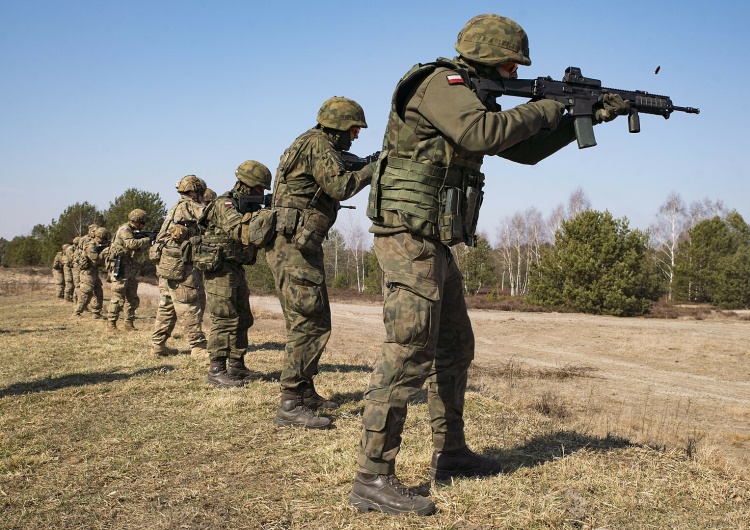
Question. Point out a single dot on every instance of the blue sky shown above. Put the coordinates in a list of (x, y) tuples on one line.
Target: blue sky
[(99, 97)]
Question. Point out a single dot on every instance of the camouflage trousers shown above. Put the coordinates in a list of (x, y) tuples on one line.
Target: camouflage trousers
[(76, 280), (180, 300), (90, 290), (69, 287), (428, 338), (59, 278), (124, 297), (301, 288), (228, 305)]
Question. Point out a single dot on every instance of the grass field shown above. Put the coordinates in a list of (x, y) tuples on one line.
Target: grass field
[(96, 433)]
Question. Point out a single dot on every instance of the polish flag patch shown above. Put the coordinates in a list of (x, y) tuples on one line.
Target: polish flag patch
[(455, 79), (228, 204)]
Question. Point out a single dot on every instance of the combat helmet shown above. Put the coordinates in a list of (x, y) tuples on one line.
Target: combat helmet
[(191, 183), (76, 240), (137, 216), (492, 40), (92, 229), (252, 173), (102, 233), (341, 114), (209, 195)]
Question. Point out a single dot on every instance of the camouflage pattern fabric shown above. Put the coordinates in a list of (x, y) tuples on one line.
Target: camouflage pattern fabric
[(125, 289), (181, 300), (437, 120), (90, 287), (227, 294), (428, 338), (68, 273), (301, 288), (58, 275), (310, 179)]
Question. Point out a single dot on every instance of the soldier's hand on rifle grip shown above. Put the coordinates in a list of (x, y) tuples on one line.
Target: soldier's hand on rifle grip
[(612, 105), (551, 111), (373, 157)]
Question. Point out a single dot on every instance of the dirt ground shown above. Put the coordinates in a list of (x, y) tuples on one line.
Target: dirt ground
[(655, 380)]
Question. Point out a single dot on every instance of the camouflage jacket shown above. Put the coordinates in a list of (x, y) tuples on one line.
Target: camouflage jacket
[(311, 164), (125, 245), (57, 263), (222, 227), (69, 256), (437, 121), (187, 211)]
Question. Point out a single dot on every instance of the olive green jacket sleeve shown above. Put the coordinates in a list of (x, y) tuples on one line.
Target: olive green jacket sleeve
[(516, 134)]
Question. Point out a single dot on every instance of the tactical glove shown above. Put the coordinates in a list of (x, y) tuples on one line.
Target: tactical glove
[(612, 105), (551, 111), (373, 157)]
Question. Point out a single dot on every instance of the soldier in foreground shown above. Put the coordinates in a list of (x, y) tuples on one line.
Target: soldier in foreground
[(58, 275), (124, 249), (179, 282), (425, 197), (222, 253), (91, 258), (310, 181)]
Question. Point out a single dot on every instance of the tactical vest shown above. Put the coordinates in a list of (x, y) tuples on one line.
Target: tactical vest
[(297, 214), (213, 246), (172, 265), (437, 201)]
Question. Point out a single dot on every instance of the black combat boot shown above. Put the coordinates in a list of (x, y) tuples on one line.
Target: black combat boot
[(217, 374), (236, 369), (314, 401), (461, 463), (385, 493), (292, 413)]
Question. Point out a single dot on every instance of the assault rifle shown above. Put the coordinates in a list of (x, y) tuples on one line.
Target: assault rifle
[(249, 203), (140, 234), (354, 163), (579, 95)]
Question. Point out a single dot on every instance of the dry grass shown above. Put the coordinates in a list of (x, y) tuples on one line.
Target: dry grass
[(96, 433)]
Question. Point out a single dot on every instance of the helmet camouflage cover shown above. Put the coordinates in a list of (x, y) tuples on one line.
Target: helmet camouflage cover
[(102, 233), (341, 114), (492, 40), (209, 194), (252, 173), (191, 183), (137, 216), (76, 240)]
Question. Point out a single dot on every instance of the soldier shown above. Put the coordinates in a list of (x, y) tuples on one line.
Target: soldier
[(67, 261), (425, 197), (221, 255), (57, 273), (179, 283), (92, 257), (124, 249), (310, 181), (79, 257), (73, 263)]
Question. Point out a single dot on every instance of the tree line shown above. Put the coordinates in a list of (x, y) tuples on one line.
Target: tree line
[(577, 258)]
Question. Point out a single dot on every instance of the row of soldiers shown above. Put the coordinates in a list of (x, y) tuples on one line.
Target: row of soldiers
[(426, 190)]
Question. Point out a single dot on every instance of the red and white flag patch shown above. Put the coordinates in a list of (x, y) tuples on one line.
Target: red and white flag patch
[(455, 79), (228, 204)]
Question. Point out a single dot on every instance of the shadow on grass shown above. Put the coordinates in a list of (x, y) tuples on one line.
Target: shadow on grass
[(71, 380), (24, 331), (540, 450), (268, 345)]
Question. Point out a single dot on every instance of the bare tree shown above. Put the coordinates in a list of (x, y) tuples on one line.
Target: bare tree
[(355, 244), (666, 233), (554, 222), (578, 202)]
